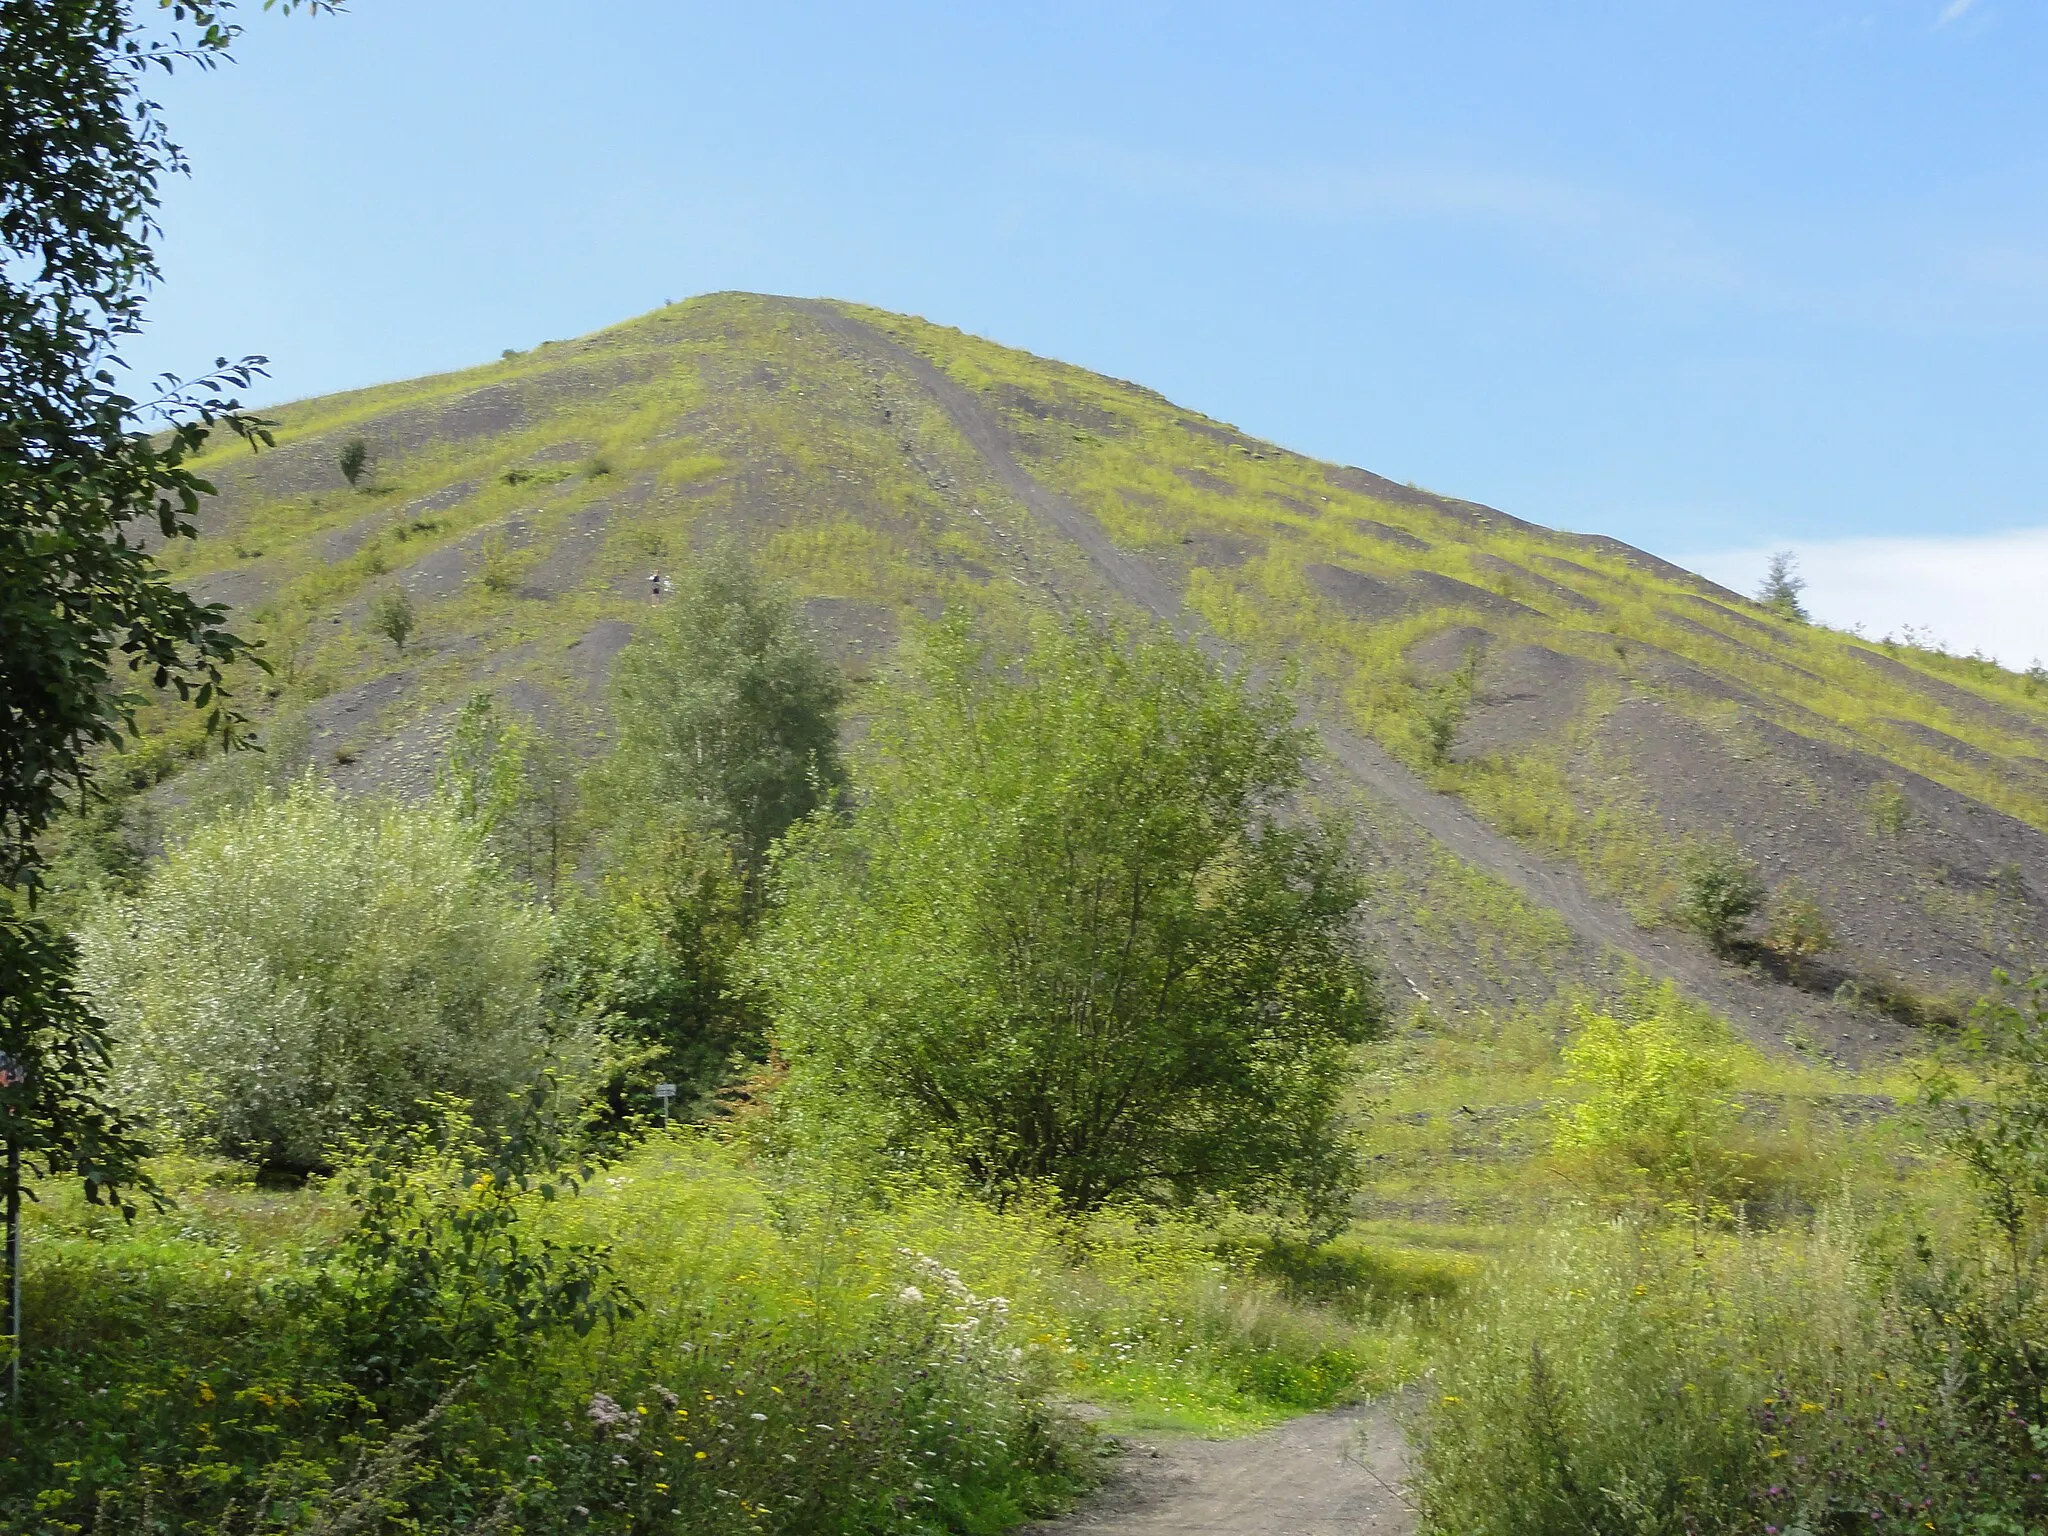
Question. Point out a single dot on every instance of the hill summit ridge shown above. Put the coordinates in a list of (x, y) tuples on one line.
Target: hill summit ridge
[(1532, 728)]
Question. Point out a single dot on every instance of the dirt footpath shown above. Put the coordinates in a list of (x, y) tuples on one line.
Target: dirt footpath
[(1328, 1474)]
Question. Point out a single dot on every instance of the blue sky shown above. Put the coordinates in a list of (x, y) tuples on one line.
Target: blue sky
[(1712, 277)]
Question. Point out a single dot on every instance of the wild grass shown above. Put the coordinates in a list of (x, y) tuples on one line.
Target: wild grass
[(802, 1335), (1620, 1377)]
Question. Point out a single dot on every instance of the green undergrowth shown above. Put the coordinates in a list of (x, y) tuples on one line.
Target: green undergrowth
[(792, 1349), (1756, 1296), (1462, 1114)]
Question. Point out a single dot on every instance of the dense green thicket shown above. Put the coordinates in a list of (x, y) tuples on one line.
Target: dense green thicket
[(1072, 938), (309, 962), (653, 946), (475, 1322)]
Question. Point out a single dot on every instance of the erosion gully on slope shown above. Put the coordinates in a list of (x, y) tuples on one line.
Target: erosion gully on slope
[(1763, 1009)]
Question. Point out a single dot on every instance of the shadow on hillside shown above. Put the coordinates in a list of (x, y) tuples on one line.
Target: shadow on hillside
[(1873, 989)]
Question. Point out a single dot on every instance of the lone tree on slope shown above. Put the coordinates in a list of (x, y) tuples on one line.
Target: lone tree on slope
[(1782, 586)]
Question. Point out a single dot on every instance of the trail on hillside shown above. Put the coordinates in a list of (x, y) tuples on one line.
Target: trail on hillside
[(1328, 1474), (1764, 1008)]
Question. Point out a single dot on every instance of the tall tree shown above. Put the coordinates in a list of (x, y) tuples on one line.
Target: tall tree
[(1074, 937), (728, 711), (84, 484)]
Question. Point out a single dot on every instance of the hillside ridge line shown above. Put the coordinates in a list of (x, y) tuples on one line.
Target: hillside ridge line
[(1563, 890)]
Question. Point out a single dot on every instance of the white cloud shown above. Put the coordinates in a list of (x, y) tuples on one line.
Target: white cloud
[(1955, 10), (1981, 592)]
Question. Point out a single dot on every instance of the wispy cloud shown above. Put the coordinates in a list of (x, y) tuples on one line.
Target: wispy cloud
[(1920, 275), (1955, 11), (1974, 593), (1581, 224)]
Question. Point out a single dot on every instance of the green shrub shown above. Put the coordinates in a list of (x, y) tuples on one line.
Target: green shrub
[(653, 945), (1890, 810), (392, 615), (353, 459), (497, 565), (517, 789), (1722, 890), (1888, 993), (1359, 1280), (1655, 1098), (1796, 930), (311, 960), (443, 1276), (1071, 940), (1445, 706)]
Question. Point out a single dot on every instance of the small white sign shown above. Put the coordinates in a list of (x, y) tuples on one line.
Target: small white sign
[(664, 1090)]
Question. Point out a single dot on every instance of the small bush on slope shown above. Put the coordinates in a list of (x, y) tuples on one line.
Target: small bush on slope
[(1721, 893), (309, 961), (1655, 1100)]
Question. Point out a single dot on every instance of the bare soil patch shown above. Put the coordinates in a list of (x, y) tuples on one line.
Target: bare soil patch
[(1326, 1474), (1645, 561), (1389, 535), (1527, 579), (1527, 695), (1357, 594), (1219, 551), (1442, 653), (1442, 591), (1950, 696), (1202, 480)]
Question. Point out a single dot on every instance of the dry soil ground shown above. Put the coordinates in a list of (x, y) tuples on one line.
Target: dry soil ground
[(1328, 1474)]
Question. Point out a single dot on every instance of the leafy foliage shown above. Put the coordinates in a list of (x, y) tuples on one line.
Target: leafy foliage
[(1878, 1369), (82, 156), (653, 947), (1994, 1120), (440, 1276), (1722, 892), (53, 1059), (309, 961), (729, 714), (1445, 707), (353, 459), (517, 789), (1796, 930), (1655, 1096), (818, 1350), (1620, 1381), (1890, 810), (393, 616), (1073, 935)]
